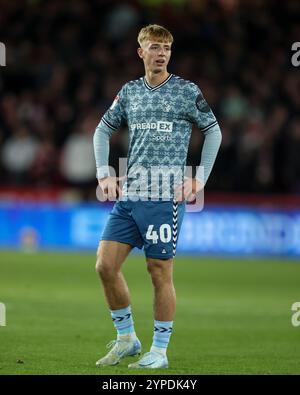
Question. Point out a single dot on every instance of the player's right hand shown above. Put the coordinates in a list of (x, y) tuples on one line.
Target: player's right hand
[(188, 190), (109, 188)]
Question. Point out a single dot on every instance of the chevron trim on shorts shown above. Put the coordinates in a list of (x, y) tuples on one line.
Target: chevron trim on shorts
[(175, 220)]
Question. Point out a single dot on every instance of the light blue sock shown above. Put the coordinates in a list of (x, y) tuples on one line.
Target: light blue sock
[(123, 321), (162, 334)]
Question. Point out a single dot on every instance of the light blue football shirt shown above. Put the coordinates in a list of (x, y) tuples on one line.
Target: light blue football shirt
[(159, 121)]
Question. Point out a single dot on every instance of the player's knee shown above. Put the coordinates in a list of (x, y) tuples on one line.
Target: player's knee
[(160, 271), (99, 266), (104, 268)]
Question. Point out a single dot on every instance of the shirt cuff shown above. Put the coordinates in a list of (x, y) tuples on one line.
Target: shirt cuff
[(200, 175), (102, 172)]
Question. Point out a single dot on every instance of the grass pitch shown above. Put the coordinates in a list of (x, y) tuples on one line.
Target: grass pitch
[(233, 316)]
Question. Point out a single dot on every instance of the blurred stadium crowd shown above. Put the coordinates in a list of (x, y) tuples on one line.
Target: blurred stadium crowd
[(67, 60)]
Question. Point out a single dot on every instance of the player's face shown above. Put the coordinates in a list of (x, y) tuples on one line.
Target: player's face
[(156, 55)]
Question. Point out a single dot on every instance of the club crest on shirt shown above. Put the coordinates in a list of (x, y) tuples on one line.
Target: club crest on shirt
[(134, 106)]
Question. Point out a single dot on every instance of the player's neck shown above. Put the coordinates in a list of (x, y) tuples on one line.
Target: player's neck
[(156, 79)]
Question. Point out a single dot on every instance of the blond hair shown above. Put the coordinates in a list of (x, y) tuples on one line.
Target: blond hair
[(154, 32)]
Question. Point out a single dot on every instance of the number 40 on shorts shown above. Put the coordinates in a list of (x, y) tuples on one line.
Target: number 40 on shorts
[(164, 234)]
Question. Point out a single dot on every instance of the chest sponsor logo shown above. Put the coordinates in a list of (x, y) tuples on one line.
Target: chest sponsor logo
[(159, 126)]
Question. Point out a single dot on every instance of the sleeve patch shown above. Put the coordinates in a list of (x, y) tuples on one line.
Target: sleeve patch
[(201, 104)]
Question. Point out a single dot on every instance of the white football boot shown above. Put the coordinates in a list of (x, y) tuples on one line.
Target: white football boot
[(120, 349), (151, 360)]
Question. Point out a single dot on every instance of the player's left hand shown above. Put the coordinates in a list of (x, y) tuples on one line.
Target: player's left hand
[(188, 190)]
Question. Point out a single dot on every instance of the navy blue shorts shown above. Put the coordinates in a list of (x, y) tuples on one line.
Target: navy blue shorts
[(154, 225)]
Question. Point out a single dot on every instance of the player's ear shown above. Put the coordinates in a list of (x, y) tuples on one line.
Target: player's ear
[(140, 52)]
